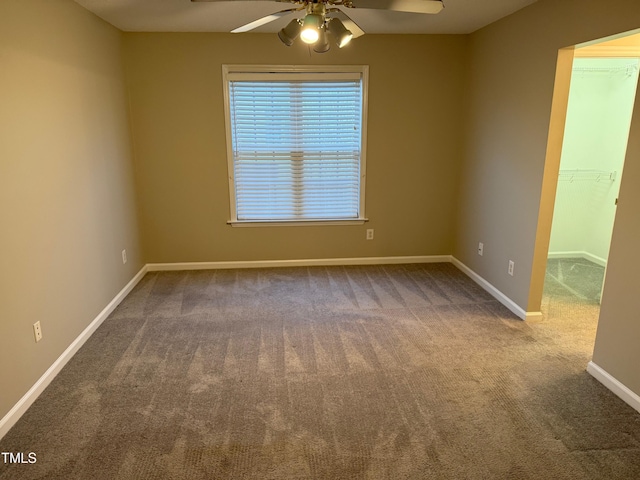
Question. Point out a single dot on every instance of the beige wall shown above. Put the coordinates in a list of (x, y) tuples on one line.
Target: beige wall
[(414, 149), (511, 77), (512, 68), (66, 182), (617, 348), (452, 119)]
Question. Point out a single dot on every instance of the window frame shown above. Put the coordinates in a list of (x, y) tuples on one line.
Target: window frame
[(271, 72)]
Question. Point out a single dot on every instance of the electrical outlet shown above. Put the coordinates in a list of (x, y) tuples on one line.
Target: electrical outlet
[(480, 248), (124, 256), (37, 331), (511, 267), (369, 233)]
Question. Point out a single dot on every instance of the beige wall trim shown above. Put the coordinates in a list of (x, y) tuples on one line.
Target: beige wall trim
[(309, 262), (613, 384), (10, 419), (493, 291)]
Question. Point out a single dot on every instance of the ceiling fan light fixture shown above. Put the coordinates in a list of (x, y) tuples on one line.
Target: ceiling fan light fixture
[(322, 45), (289, 33), (339, 32), (311, 28)]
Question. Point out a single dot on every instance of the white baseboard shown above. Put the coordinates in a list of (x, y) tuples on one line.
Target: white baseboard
[(309, 262), (497, 294), (579, 254), (626, 394), (27, 400), (10, 419)]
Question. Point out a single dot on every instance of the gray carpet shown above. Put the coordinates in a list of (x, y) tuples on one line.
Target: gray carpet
[(574, 278), (381, 372)]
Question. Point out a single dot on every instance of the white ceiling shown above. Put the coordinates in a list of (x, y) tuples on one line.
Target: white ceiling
[(458, 16)]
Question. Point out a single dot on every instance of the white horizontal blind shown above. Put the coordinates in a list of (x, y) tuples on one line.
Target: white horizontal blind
[(296, 147)]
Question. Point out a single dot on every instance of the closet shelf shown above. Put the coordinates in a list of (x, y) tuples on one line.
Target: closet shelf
[(594, 175)]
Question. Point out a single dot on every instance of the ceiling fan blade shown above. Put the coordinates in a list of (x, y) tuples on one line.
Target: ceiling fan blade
[(411, 6), (263, 21), (347, 22)]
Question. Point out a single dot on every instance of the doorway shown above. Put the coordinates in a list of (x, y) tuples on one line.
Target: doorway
[(604, 80)]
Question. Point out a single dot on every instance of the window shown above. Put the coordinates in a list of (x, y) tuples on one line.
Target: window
[(295, 143)]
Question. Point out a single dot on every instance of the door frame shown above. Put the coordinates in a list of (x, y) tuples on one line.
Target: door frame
[(613, 46)]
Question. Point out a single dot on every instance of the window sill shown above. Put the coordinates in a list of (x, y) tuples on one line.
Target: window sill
[(296, 223)]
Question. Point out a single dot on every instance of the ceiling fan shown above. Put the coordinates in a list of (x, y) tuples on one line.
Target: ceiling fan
[(322, 17)]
